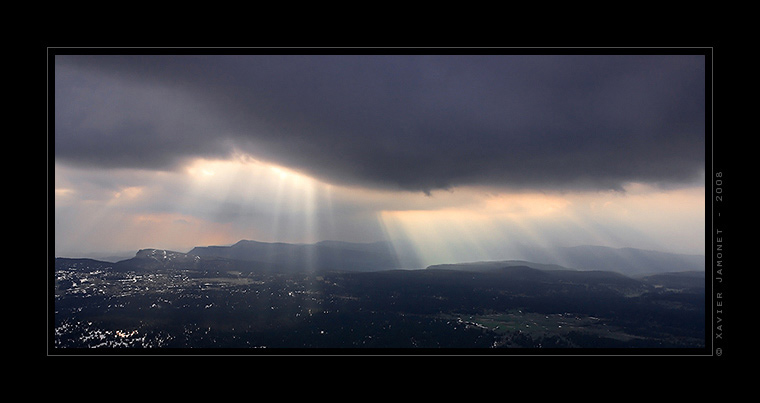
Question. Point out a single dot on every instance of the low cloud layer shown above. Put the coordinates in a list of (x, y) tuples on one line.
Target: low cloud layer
[(417, 123)]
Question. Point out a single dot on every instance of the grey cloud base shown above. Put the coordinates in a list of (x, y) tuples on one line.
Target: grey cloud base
[(417, 123)]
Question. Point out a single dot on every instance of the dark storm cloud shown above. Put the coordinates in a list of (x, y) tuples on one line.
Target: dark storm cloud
[(409, 122)]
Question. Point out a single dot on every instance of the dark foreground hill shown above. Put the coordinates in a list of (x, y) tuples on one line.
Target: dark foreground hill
[(550, 273)]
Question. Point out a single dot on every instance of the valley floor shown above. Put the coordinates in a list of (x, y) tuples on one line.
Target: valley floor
[(177, 309)]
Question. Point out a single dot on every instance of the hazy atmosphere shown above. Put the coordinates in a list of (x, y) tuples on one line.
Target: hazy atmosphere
[(459, 157)]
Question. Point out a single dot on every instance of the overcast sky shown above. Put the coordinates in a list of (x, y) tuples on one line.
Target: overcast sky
[(477, 151)]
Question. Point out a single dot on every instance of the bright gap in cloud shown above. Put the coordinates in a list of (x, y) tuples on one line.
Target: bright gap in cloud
[(207, 202)]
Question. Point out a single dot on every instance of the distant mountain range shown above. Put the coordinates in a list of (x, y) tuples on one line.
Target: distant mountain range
[(628, 261), (249, 255), (260, 256), (326, 255)]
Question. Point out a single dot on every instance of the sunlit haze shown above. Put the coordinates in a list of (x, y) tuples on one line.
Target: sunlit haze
[(219, 202)]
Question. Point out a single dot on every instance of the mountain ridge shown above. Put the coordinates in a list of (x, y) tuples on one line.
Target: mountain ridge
[(629, 261), (324, 255), (382, 255)]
